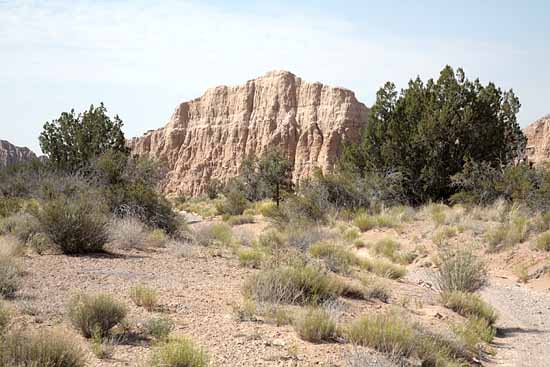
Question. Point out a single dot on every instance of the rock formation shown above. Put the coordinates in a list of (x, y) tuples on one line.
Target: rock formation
[(208, 138), (538, 140), (10, 154)]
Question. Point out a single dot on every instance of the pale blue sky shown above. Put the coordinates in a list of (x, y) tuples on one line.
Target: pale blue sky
[(142, 58)]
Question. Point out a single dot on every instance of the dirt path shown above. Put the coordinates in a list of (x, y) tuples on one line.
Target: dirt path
[(524, 324)]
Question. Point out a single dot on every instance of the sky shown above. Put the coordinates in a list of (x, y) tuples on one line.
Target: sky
[(142, 58)]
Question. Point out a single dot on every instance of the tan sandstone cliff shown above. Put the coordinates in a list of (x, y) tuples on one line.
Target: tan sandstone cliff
[(538, 140), (207, 138), (10, 154)]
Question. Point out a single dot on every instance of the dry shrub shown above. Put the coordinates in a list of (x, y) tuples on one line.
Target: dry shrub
[(10, 278), (315, 325), (337, 258), (384, 268), (543, 241), (128, 233), (21, 225), (179, 352), (11, 246), (44, 349), (509, 233), (5, 317), (473, 333), (392, 334), (237, 220), (93, 314), (250, 257), (159, 327), (293, 285), (213, 234), (387, 333), (460, 270)]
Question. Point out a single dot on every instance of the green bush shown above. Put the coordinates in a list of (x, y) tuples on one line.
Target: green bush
[(294, 285), (461, 270), (45, 349), (468, 304), (76, 225), (463, 119), (316, 325), (180, 352), (95, 314)]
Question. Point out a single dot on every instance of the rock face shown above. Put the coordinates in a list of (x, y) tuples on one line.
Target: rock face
[(538, 140), (208, 138), (10, 154)]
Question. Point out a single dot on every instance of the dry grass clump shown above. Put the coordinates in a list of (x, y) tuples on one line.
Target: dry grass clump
[(337, 258), (387, 333), (5, 317), (237, 220), (219, 234), (437, 213), (307, 284), (316, 325), (365, 221), (541, 222), (95, 314), (384, 268), (250, 257), (10, 246), (45, 349), (144, 296), (543, 241), (460, 270), (159, 327), (267, 208), (509, 233), (374, 289), (21, 225), (351, 234), (392, 334), (468, 304), (443, 234), (202, 206), (10, 278), (128, 233), (474, 332), (179, 352), (301, 236)]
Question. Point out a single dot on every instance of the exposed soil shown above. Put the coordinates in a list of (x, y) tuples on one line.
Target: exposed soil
[(199, 288)]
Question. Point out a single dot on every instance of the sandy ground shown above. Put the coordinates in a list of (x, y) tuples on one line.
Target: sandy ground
[(200, 287)]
